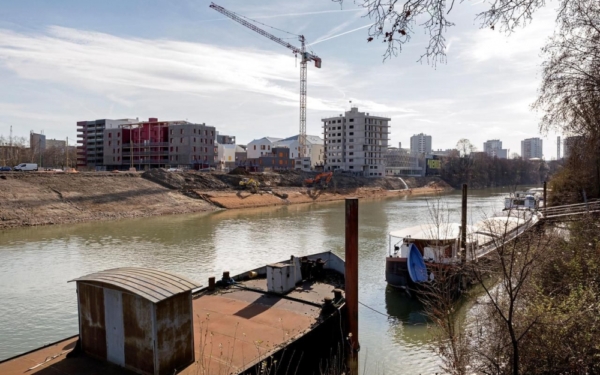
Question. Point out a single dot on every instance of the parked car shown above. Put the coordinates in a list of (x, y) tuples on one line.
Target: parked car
[(5, 169), (26, 167)]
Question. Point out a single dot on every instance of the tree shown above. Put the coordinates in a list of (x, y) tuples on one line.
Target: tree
[(396, 21), (465, 147)]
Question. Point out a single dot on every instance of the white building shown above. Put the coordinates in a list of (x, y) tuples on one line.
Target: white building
[(260, 147), (420, 144), (356, 142), (314, 150), (494, 148), (532, 148), (226, 154)]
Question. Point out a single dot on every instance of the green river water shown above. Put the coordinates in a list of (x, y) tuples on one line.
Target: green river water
[(38, 306)]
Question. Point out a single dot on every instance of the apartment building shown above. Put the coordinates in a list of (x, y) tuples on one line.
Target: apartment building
[(532, 148), (90, 141), (420, 144), (356, 142), (494, 148), (314, 151), (261, 146), (400, 162), (155, 144)]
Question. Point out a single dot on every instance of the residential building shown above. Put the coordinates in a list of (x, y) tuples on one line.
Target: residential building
[(493, 148), (420, 144), (278, 158), (226, 155), (154, 144), (314, 150), (259, 147), (571, 143), (37, 142), (356, 142), (240, 154), (532, 148), (56, 143), (223, 139), (90, 139)]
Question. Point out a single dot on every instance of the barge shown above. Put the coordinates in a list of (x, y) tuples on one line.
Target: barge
[(280, 318)]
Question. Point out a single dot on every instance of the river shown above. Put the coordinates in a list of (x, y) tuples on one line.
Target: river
[(38, 306)]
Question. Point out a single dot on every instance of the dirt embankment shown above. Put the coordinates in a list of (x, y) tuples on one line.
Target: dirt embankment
[(287, 187), (45, 198), (42, 198)]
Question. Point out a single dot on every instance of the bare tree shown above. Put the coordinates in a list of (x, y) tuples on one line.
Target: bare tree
[(396, 21)]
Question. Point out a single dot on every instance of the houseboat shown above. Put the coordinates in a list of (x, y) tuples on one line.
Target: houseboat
[(417, 254), (532, 199)]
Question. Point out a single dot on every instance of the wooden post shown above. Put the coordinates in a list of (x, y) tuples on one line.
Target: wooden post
[(351, 279), (463, 225)]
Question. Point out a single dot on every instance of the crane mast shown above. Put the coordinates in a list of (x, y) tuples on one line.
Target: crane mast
[(305, 57)]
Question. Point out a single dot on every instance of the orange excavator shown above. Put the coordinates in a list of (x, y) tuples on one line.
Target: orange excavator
[(323, 178)]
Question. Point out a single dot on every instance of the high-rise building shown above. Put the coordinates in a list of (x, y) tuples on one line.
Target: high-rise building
[(532, 148), (356, 142), (37, 142), (494, 148), (90, 134), (420, 144)]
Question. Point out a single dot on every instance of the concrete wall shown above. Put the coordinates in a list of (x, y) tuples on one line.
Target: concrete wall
[(192, 143)]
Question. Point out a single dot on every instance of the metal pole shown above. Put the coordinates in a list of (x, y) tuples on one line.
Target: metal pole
[(351, 278), (545, 201), (463, 224)]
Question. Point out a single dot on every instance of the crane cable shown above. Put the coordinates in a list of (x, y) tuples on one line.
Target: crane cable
[(264, 24)]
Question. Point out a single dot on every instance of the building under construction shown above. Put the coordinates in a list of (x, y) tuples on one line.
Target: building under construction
[(147, 144)]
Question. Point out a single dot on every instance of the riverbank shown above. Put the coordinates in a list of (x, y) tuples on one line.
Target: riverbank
[(31, 199)]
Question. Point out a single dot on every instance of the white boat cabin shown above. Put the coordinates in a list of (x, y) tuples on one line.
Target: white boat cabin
[(437, 243)]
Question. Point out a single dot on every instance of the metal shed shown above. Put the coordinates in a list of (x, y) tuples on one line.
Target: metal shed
[(137, 318)]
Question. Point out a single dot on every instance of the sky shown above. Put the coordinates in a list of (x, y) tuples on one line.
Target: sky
[(70, 60)]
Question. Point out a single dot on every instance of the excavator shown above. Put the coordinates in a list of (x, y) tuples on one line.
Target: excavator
[(323, 178), (251, 184)]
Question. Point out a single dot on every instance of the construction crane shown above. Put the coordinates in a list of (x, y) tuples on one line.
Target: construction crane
[(305, 57)]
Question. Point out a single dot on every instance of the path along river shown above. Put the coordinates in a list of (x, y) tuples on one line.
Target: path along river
[(37, 306)]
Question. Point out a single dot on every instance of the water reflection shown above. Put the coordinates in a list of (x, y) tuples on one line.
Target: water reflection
[(38, 306)]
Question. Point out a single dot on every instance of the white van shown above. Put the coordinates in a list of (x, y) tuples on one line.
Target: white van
[(26, 167)]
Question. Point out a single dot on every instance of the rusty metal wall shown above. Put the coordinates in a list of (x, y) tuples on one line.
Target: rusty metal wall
[(139, 332), (92, 327), (175, 333)]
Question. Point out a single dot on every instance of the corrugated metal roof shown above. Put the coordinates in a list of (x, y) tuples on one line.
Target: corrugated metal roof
[(153, 285)]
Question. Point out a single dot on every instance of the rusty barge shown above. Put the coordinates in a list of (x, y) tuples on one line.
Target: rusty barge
[(287, 317)]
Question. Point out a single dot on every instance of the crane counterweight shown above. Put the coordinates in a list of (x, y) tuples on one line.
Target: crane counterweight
[(305, 58)]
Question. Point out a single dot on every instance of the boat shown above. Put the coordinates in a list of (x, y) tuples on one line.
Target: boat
[(139, 320), (532, 199), (417, 254)]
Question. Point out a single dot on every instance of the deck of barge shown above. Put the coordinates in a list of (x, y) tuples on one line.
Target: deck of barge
[(235, 329)]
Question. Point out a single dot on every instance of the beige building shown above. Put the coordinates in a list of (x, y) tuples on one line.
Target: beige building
[(356, 142)]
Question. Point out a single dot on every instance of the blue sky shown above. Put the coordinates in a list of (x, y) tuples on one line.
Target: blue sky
[(66, 61)]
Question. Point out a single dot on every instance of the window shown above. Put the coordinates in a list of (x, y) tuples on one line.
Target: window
[(118, 143), (351, 167), (280, 162), (350, 160), (181, 140), (109, 135), (351, 133), (194, 148), (269, 147), (194, 131), (171, 133), (351, 120), (351, 140), (118, 134), (176, 149), (281, 154), (351, 126), (180, 131), (171, 149), (109, 141), (194, 139), (118, 158), (255, 147), (351, 153)]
